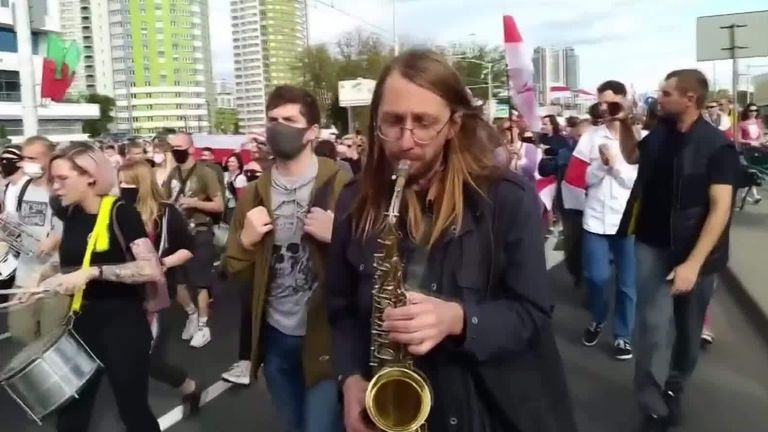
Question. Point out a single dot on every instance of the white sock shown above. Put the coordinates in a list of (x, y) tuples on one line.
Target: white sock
[(202, 322), (191, 310)]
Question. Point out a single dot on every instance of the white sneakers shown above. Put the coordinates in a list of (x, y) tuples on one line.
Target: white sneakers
[(239, 373), (201, 338), (190, 327), (198, 335)]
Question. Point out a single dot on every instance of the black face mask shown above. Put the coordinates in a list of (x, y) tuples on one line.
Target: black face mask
[(9, 167), (251, 175), (286, 142), (129, 194), (181, 156)]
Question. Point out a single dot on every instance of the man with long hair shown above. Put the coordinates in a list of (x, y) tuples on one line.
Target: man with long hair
[(478, 318)]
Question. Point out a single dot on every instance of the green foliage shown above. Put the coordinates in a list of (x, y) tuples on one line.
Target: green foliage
[(97, 127), (225, 121), (358, 54)]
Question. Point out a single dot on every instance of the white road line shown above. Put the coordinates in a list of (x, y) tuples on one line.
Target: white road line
[(4, 336), (177, 414)]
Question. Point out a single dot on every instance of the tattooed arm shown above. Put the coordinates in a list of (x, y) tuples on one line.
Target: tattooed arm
[(145, 268)]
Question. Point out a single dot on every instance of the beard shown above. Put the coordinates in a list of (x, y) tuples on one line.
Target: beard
[(423, 175)]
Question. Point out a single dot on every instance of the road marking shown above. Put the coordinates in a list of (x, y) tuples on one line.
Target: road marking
[(5, 336), (177, 414)]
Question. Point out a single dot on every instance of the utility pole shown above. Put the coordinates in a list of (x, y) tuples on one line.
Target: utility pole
[(733, 48), (490, 92), (23, 30), (394, 27)]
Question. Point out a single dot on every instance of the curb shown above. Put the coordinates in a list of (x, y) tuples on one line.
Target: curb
[(746, 301)]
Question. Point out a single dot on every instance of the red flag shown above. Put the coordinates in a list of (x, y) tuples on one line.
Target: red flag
[(51, 87)]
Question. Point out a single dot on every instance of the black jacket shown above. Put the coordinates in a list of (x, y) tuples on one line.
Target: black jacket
[(506, 368), (690, 191)]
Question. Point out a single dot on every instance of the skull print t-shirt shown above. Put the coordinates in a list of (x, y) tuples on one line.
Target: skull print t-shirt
[(291, 276)]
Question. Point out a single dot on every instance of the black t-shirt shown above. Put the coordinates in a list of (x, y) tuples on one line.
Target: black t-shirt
[(653, 222), (77, 227), (177, 232)]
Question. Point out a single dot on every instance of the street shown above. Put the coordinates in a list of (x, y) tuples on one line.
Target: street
[(730, 386)]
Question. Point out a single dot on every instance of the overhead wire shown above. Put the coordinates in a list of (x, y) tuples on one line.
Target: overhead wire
[(369, 24)]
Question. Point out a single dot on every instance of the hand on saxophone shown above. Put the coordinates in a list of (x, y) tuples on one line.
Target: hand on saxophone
[(424, 322), (354, 390)]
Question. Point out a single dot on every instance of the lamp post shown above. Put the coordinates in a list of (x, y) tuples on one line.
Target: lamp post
[(489, 72)]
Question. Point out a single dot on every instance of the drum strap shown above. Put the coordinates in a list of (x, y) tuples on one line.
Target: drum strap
[(100, 229)]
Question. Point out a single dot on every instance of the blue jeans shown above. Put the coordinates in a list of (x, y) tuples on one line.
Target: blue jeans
[(668, 329), (596, 253), (299, 409)]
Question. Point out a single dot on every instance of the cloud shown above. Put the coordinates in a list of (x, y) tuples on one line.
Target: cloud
[(222, 50)]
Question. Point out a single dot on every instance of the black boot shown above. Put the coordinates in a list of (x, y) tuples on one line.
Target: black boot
[(674, 407)]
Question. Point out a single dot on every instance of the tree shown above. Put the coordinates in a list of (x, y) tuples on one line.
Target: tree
[(471, 62), (96, 127)]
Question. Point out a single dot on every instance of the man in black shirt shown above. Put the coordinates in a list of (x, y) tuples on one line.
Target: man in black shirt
[(684, 194)]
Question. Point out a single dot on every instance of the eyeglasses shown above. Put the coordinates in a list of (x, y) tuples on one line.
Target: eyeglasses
[(420, 133)]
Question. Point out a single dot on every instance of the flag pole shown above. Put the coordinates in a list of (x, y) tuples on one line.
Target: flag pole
[(23, 30)]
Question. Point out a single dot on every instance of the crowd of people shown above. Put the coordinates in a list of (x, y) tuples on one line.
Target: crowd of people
[(647, 195)]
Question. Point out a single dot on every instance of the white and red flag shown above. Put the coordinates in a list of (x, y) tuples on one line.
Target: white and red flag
[(520, 74)]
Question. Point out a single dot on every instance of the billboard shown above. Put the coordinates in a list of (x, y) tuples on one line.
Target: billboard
[(357, 92), (712, 40)]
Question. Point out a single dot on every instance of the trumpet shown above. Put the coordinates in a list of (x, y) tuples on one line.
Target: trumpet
[(17, 236)]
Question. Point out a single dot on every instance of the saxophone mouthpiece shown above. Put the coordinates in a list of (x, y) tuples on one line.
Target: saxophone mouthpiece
[(402, 169)]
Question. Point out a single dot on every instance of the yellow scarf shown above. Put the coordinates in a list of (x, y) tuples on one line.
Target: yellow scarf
[(98, 241)]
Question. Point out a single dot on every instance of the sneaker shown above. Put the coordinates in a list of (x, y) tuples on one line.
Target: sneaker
[(201, 338), (239, 373), (592, 334), (654, 423), (674, 407), (190, 327), (707, 337), (622, 350)]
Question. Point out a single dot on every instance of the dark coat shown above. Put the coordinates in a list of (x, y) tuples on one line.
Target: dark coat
[(506, 366)]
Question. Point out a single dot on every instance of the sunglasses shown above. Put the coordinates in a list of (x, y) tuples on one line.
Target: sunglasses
[(753, 111), (712, 106)]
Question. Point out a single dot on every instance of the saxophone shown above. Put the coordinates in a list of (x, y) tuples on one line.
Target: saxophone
[(398, 398)]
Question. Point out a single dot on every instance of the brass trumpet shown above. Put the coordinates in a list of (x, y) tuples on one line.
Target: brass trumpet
[(17, 236)]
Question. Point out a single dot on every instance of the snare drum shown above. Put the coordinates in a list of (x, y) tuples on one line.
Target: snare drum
[(49, 372)]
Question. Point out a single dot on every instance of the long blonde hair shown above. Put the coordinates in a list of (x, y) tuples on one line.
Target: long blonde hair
[(468, 155), (139, 174)]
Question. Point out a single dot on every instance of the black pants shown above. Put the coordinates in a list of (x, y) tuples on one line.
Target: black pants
[(246, 320), (159, 369), (117, 333), (572, 231)]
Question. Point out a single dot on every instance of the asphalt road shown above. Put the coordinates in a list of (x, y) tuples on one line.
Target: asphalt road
[(729, 388)]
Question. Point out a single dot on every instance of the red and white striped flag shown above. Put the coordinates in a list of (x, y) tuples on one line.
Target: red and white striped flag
[(520, 73)]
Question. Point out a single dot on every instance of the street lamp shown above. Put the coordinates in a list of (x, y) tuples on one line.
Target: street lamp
[(489, 71)]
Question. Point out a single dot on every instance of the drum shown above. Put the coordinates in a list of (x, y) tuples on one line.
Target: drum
[(49, 372)]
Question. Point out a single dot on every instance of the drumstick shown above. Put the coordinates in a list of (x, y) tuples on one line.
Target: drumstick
[(24, 290)]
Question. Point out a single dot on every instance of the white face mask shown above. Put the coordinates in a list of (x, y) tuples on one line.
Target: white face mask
[(32, 169), (158, 158)]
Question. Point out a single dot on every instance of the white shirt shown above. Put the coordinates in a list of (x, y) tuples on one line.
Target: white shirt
[(608, 187)]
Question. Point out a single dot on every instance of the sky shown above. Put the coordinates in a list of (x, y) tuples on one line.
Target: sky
[(634, 41)]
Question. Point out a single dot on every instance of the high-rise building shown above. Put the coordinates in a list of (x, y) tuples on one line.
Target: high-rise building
[(554, 67), (86, 22), (571, 68), (58, 121), (158, 52), (268, 37)]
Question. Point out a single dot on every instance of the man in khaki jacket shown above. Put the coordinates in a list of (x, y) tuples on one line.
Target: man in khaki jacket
[(279, 233)]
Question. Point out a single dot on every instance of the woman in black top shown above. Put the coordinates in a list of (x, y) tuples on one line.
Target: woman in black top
[(169, 232), (112, 322)]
